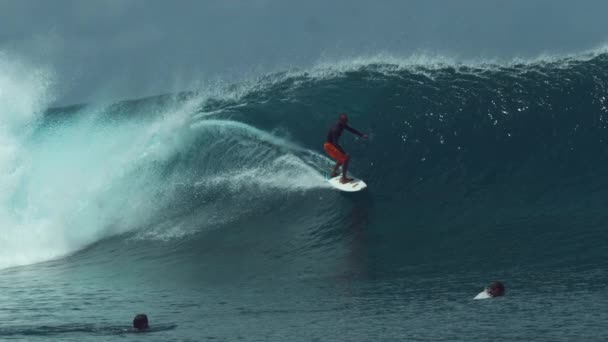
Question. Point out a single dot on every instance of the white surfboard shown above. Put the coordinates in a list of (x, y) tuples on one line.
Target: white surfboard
[(355, 185), (483, 295)]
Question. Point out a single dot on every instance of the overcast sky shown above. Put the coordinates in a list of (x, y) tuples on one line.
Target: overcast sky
[(123, 49)]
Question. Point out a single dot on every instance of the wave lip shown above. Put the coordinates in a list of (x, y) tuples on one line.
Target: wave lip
[(25, 92)]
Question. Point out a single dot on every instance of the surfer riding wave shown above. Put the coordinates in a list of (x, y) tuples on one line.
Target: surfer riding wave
[(335, 151)]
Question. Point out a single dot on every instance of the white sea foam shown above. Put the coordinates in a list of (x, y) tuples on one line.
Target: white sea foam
[(81, 180), (291, 169), (24, 94), (87, 178), (423, 62)]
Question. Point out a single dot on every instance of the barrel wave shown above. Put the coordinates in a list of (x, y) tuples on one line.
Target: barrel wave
[(482, 169)]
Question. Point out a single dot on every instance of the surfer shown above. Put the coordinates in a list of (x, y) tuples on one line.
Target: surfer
[(496, 289), (335, 151)]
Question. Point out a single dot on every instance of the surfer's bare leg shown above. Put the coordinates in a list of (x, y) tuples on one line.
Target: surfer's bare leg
[(344, 178), (334, 172)]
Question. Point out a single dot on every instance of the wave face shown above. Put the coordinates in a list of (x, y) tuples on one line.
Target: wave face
[(464, 163)]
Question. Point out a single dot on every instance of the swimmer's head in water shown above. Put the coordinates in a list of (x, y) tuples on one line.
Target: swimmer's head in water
[(140, 322), (496, 289)]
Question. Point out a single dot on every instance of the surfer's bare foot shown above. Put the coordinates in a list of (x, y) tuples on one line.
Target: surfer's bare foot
[(333, 174), (345, 180)]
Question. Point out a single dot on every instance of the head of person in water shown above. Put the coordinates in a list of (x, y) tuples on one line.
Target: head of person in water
[(343, 119), (496, 289), (140, 322)]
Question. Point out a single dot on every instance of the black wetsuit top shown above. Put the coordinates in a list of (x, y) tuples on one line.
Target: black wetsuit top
[(336, 131)]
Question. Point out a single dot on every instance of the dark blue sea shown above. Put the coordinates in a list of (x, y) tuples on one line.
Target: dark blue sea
[(209, 209)]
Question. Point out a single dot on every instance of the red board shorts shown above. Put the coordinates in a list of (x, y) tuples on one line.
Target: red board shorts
[(336, 154)]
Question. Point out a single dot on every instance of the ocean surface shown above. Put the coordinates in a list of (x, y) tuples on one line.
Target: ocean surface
[(209, 210)]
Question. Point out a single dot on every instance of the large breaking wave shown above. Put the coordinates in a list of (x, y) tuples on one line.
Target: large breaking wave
[(451, 145)]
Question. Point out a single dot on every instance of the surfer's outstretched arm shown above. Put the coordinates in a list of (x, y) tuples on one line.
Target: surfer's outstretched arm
[(354, 131)]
